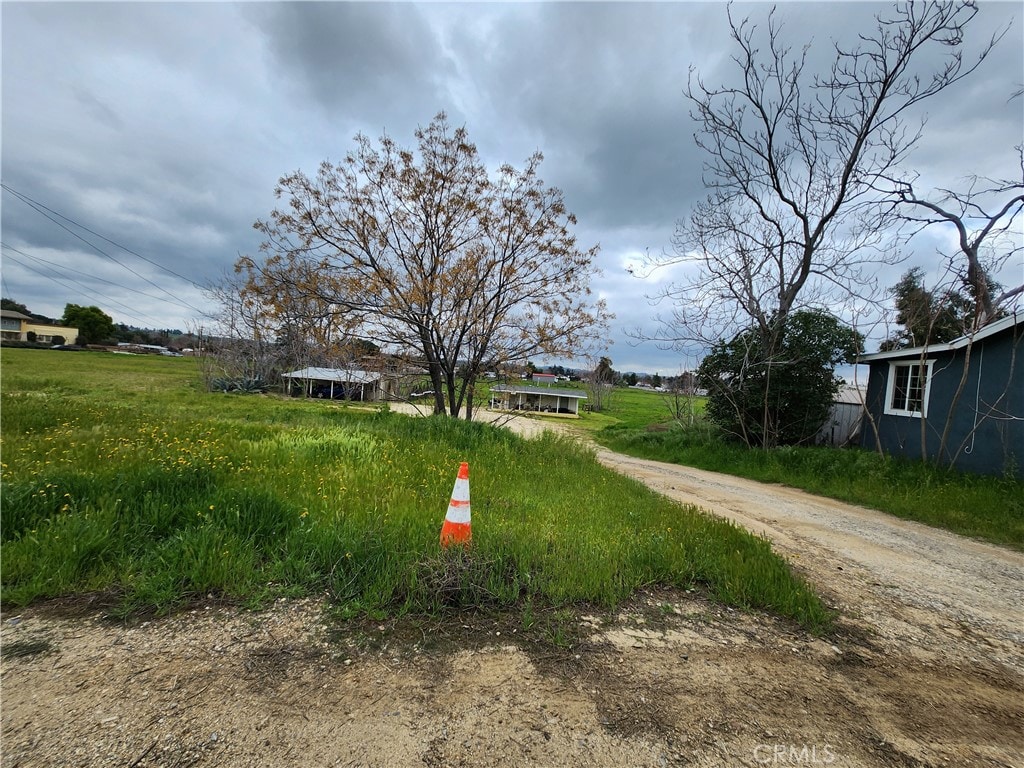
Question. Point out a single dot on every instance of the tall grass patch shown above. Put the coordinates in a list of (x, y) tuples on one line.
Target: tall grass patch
[(629, 408), (184, 494)]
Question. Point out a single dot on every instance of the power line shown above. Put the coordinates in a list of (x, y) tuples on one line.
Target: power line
[(130, 312), (40, 208), (80, 289), (26, 198), (85, 274)]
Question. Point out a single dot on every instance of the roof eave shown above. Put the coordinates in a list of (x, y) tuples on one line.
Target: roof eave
[(933, 349)]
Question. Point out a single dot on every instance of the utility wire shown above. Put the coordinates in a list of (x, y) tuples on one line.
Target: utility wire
[(86, 274), (40, 208), (26, 198), (79, 289)]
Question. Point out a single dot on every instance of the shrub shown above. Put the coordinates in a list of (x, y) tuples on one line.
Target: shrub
[(774, 387)]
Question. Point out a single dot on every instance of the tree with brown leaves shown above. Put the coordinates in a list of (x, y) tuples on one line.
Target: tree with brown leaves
[(425, 252)]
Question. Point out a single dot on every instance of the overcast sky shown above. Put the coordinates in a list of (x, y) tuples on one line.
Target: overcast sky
[(164, 128)]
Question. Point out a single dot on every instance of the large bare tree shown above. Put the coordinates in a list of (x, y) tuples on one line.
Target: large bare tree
[(797, 159), (423, 250)]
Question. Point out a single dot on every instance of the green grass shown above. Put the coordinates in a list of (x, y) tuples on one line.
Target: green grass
[(122, 476), (632, 408), (988, 508), (624, 407)]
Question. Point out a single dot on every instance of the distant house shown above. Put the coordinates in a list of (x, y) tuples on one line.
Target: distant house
[(12, 324), (15, 326), (545, 378), (339, 384), (562, 402), (970, 389)]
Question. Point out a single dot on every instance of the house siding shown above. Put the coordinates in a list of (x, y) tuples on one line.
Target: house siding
[(15, 326), (986, 424), (47, 333)]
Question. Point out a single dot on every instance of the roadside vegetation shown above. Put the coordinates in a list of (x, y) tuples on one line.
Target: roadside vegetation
[(123, 477), (988, 508)]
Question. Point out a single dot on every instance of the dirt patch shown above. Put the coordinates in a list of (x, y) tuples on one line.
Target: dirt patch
[(672, 679), (926, 668)]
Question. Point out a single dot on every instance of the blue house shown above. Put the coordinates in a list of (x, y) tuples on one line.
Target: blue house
[(960, 404)]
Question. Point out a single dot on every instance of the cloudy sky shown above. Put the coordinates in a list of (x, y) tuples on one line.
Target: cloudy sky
[(140, 140)]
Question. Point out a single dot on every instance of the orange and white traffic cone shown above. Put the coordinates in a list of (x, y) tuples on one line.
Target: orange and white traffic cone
[(456, 528)]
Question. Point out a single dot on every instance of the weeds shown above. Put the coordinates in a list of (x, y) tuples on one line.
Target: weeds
[(562, 629), (180, 493)]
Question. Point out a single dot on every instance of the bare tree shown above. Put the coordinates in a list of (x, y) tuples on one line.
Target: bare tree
[(987, 216), (239, 351), (795, 164), (680, 397), (429, 253)]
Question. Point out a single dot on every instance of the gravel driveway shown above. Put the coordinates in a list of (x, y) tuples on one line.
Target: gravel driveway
[(922, 588)]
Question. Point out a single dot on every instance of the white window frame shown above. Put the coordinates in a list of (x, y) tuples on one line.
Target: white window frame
[(890, 388)]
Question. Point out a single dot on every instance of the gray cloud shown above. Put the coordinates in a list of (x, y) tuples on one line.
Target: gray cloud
[(363, 60), (165, 126), (599, 89)]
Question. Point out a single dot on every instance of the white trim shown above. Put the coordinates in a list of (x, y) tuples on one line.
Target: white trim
[(890, 386)]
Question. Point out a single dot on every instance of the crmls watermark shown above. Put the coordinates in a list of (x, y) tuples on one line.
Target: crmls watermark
[(792, 754)]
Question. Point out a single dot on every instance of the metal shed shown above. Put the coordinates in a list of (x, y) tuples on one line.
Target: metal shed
[(844, 418), (562, 402), (336, 384)]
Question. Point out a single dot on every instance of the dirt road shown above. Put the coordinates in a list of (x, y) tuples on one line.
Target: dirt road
[(920, 588), (927, 668)]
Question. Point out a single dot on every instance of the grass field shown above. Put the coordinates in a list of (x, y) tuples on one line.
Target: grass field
[(631, 408), (121, 476)]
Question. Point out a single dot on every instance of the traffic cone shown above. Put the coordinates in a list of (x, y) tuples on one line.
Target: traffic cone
[(456, 528)]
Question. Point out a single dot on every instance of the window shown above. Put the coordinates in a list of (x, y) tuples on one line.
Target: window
[(908, 387)]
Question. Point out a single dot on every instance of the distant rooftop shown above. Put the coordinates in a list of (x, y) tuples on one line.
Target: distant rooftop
[(14, 315), (526, 390)]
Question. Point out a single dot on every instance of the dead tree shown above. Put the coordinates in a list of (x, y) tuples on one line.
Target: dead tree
[(794, 162)]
